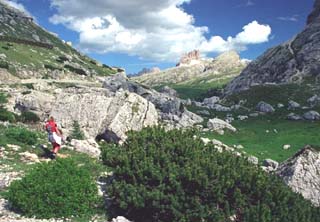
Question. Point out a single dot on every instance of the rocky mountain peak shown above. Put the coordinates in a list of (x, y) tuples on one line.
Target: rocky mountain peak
[(294, 61), (189, 58), (315, 14)]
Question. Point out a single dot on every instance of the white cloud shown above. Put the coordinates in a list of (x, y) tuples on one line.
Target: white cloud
[(15, 4), (293, 18), (250, 3), (156, 30)]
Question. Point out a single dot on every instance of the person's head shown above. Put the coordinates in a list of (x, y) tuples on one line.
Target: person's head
[(51, 119)]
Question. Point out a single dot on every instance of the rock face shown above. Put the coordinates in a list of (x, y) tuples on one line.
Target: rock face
[(292, 61), (302, 174), (189, 58), (100, 113), (171, 109), (315, 14)]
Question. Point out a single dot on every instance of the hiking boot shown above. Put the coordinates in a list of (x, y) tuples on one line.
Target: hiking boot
[(53, 156)]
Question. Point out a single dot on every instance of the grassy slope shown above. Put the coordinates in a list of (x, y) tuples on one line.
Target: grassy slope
[(253, 133), (33, 57)]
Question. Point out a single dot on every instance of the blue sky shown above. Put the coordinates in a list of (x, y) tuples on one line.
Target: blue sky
[(135, 34)]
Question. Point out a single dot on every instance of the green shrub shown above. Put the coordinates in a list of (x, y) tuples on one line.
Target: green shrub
[(169, 176), (4, 64), (76, 131), (21, 135), (29, 117), (75, 70), (3, 98), (29, 85), (5, 115), (51, 67), (53, 190)]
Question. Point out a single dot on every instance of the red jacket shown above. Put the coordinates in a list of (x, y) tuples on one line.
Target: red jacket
[(51, 127)]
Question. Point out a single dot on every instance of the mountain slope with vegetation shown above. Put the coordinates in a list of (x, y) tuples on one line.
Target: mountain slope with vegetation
[(295, 61), (29, 51)]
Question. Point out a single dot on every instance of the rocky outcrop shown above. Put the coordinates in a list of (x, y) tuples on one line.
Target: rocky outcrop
[(293, 61), (302, 174), (89, 147), (171, 109), (189, 58), (218, 125), (315, 14), (100, 113), (264, 107)]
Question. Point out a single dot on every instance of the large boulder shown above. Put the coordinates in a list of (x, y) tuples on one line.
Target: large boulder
[(264, 107), (101, 114), (38, 102), (311, 115), (218, 125), (89, 147), (302, 173), (292, 61), (211, 101)]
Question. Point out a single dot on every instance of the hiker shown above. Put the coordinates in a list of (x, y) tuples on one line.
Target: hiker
[(54, 136)]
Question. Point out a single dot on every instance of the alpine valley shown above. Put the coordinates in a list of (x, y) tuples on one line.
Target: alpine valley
[(220, 139)]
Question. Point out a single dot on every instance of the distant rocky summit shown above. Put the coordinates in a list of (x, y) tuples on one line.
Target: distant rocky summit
[(192, 69), (144, 71), (190, 58), (292, 62), (302, 173)]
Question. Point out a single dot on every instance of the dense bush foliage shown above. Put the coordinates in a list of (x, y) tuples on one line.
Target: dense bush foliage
[(76, 131), (21, 135), (5, 115), (29, 117), (169, 176), (56, 189)]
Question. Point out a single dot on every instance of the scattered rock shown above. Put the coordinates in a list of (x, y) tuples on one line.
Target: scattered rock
[(280, 105), (254, 114), (3, 56), (254, 160), (241, 117), (265, 107), (270, 163), (293, 116), (203, 112), (286, 147), (302, 173), (292, 105), (120, 219), (205, 140), (211, 101), (311, 115), (88, 146), (218, 125), (314, 100), (7, 177), (169, 91), (14, 147), (29, 157)]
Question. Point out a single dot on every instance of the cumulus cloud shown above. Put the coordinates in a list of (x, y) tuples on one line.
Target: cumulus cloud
[(15, 4), (155, 30)]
